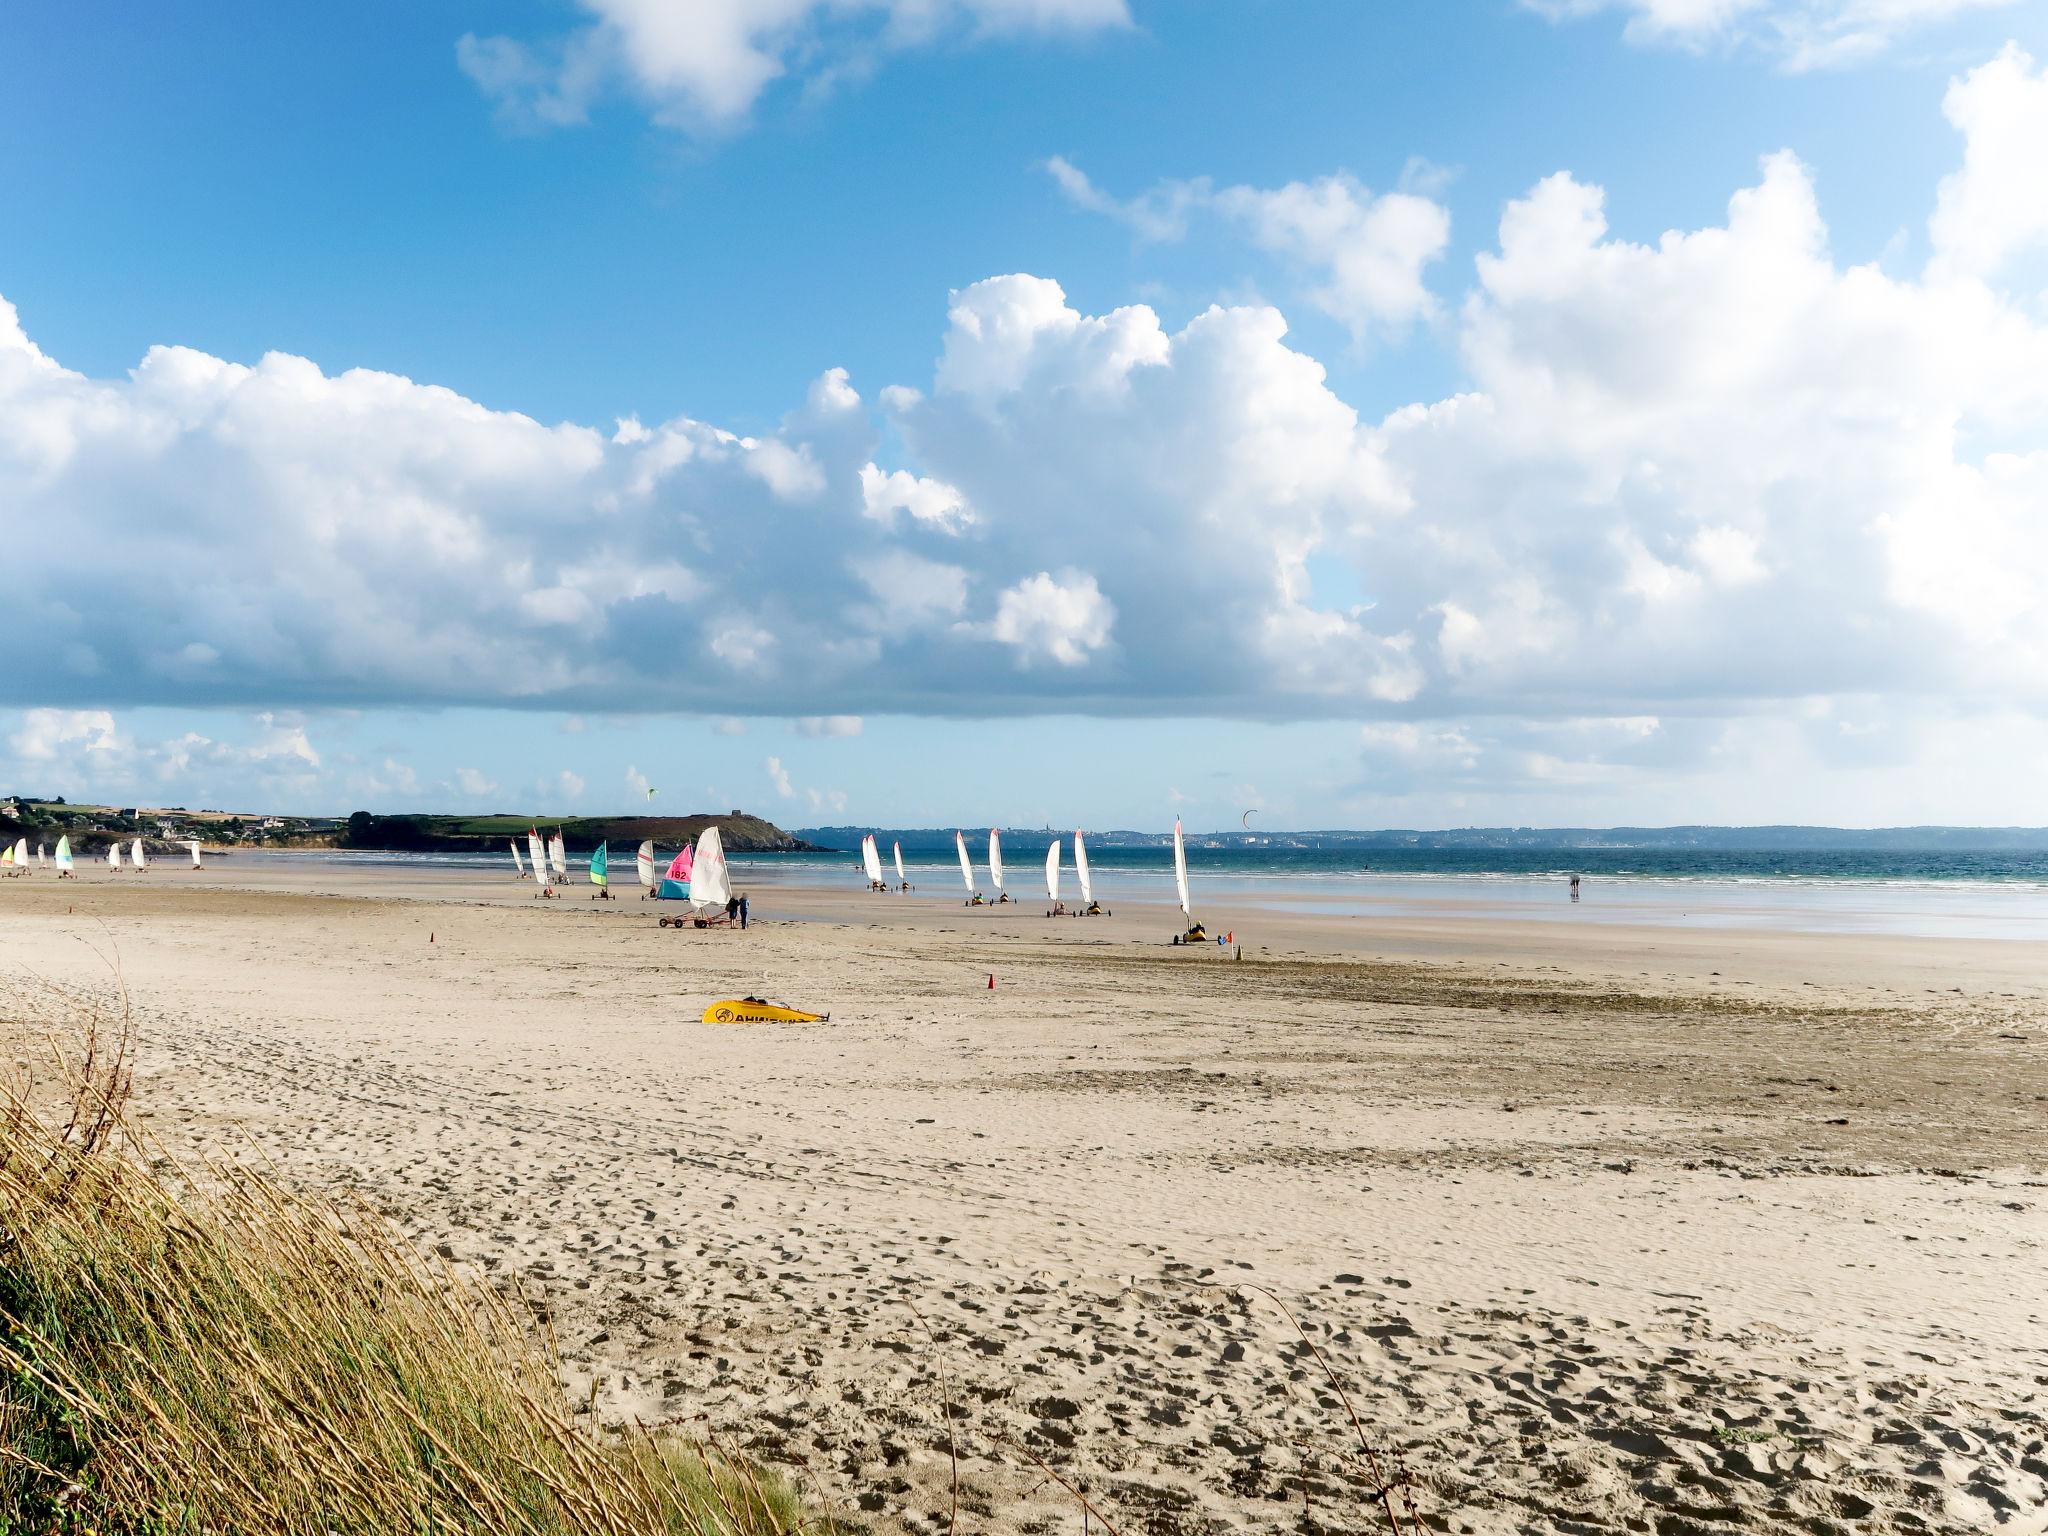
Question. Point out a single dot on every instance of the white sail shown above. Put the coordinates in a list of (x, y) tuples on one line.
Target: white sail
[(113, 855), (193, 845), (537, 856), (643, 863), (1081, 869), (995, 859), (21, 852), (1052, 871), (871, 859), (710, 882), (517, 862), (901, 878), (558, 855), (6, 855), (64, 852), (41, 849), (135, 854), (966, 865), (1180, 871)]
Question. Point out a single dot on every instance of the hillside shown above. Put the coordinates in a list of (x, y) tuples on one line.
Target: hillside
[(742, 833)]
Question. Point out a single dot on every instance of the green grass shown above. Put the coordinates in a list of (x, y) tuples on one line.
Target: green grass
[(198, 1349)]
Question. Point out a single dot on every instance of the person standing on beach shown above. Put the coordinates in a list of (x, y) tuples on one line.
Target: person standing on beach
[(743, 911), (1575, 887)]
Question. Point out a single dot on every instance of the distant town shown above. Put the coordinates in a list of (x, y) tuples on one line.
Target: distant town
[(90, 825)]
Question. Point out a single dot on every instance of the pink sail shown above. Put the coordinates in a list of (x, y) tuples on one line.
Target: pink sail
[(679, 867)]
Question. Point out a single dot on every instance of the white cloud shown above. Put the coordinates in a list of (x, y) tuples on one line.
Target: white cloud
[(1062, 618), (822, 800), (779, 777), (53, 735), (567, 786), (1366, 252), (828, 725), (729, 725), (1996, 206), (703, 65), (1683, 477), (932, 503), (1370, 250), (474, 784), (637, 786), (1801, 34), (1161, 213)]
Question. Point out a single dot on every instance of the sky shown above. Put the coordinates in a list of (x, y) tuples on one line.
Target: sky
[(1087, 412)]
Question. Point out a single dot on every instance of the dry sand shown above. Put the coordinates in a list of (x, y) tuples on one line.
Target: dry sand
[(1599, 1228)]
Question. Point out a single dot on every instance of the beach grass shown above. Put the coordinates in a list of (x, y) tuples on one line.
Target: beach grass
[(201, 1349)]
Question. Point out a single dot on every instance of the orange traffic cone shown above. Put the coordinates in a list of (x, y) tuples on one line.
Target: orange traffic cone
[(991, 981)]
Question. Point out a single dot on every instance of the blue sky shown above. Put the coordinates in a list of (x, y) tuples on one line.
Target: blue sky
[(1574, 526)]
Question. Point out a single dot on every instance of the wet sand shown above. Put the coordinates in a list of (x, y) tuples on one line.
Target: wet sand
[(1599, 1226)]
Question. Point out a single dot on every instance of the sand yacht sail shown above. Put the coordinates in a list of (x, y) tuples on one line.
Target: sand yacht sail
[(64, 865), (710, 880), (871, 859), (192, 847), (558, 856), (995, 860), (1052, 873), (1081, 870), (518, 863), (966, 864), (113, 855), (643, 865), (901, 878), (136, 855), (1180, 879)]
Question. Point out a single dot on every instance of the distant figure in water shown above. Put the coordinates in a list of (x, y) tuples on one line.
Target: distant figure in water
[(1575, 887)]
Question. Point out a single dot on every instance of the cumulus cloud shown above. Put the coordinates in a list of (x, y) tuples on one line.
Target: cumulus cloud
[(1801, 34), (1683, 478), (86, 753), (828, 725), (779, 777), (932, 503), (52, 735), (1366, 252), (702, 66), (1995, 206), (1063, 619), (474, 784)]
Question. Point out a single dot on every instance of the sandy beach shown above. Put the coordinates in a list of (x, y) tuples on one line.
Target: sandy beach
[(1599, 1226)]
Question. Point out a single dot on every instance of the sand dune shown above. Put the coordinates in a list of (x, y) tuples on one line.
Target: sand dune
[(1594, 1239)]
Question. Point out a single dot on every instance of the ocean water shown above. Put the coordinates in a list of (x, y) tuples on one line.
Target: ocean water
[(2002, 895)]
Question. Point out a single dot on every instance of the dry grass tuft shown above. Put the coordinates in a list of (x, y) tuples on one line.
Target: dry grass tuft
[(198, 1349)]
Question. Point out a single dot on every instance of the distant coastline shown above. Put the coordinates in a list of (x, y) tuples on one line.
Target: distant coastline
[(1758, 839)]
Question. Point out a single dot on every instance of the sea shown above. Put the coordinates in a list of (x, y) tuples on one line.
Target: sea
[(1949, 893)]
